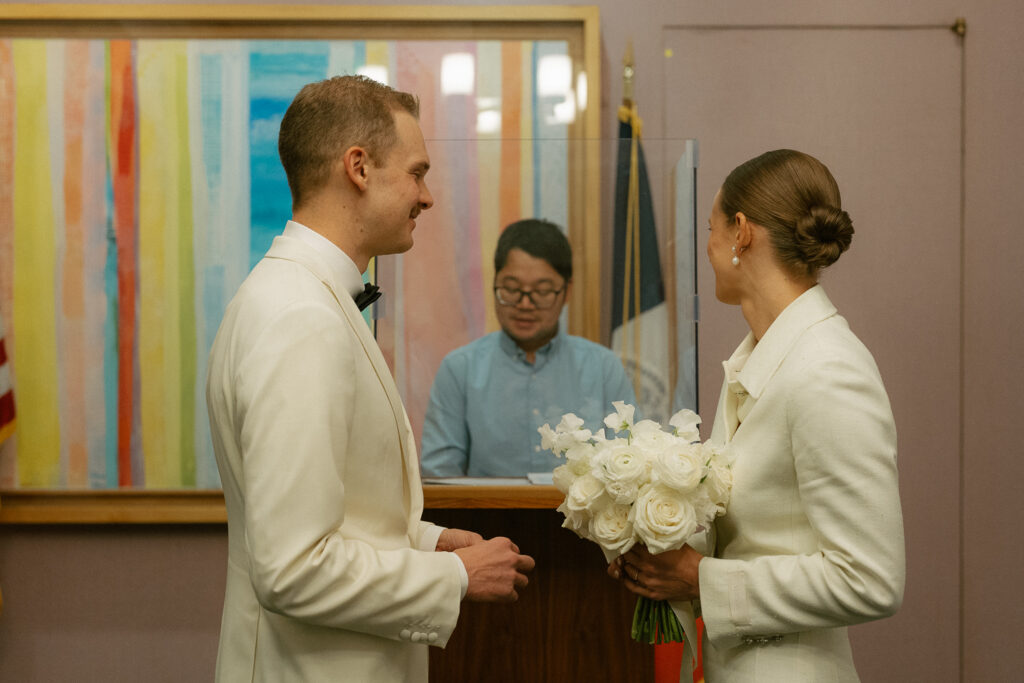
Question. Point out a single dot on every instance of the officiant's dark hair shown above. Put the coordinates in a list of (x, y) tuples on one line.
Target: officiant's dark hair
[(327, 117), (539, 238)]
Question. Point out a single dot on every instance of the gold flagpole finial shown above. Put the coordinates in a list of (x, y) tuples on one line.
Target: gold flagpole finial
[(627, 74)]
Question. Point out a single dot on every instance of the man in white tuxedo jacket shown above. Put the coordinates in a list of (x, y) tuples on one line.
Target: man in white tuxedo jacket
[(332, 575)]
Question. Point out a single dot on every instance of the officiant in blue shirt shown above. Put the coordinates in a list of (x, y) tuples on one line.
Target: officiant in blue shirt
[(490, 396)]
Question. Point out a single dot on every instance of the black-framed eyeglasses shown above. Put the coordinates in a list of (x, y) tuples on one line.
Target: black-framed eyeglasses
[(540, 298)]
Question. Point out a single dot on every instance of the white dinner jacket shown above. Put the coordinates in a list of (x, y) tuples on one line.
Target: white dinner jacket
[(325, 579), (812, 540)]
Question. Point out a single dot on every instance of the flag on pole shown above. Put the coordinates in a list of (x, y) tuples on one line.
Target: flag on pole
[(640, 320), (6, 391)]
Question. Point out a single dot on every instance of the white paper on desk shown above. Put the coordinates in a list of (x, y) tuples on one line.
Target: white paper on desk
[(478, 481), (541, 478)]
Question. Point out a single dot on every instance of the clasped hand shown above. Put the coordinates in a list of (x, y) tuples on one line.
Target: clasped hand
[(496, 568), (671, 575)]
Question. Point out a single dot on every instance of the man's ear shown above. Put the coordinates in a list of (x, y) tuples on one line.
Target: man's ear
[(355, 161)]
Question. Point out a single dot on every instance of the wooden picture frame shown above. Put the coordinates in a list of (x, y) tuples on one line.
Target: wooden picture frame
[(576, 27)]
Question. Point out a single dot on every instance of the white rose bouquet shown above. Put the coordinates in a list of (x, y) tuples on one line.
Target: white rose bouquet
[(646, 485)]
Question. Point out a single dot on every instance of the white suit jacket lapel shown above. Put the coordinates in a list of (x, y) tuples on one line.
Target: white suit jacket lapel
[(301, 253)]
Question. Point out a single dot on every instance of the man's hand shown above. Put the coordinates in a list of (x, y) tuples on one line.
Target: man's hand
[(496, 570), (451, 540)]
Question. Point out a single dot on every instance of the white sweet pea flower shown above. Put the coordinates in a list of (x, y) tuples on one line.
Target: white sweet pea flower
[(611, 529), (649, 436), (623, 469), (548, 439), (685, 423), (622, 419), (662, 519), (579, 457), (679, 465), (577, 521), (570, 423)]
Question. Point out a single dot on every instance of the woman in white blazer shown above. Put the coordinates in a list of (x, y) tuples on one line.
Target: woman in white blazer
[(813, 537)]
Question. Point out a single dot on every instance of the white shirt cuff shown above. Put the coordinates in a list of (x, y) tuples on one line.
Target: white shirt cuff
[(463, 575)]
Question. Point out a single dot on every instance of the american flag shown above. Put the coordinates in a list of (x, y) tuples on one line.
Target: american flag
[(6, 391)]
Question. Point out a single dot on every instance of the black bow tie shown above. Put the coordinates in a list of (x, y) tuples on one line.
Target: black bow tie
[(366, 297)]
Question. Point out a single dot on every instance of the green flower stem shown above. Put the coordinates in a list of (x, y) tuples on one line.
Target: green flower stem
[(655, 622)]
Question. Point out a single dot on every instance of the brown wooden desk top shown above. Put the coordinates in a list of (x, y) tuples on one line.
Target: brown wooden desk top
[(206, 507)]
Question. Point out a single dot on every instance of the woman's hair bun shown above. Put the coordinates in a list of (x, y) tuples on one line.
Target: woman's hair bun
[(822, 234)]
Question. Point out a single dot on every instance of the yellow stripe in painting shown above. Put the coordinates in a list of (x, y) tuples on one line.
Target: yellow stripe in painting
[(35, 334), (379, 54), (159, 302), (526, 134), (185, 327)]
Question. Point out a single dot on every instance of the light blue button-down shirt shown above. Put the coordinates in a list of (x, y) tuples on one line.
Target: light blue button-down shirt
[(487, 402)]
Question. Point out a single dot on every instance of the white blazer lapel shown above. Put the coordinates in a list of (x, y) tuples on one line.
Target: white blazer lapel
[(298, 251)]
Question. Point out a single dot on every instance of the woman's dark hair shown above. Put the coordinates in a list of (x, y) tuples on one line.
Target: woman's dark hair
[(538, 238), (794, 197)]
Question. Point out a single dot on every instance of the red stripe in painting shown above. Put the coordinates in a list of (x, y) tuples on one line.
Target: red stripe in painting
[(123, 133), (6, 408)]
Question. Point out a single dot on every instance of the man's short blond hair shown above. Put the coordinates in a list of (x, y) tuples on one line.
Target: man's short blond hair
[(330, 116)]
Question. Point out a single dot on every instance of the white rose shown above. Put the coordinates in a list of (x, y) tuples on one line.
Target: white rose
[(661, 519), (584, 492), (685, 423), (678, 465), (623, 469), (562, 477), (611, 529)]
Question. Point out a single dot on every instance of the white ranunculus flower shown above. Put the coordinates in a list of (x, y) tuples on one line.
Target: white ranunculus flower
[(622, 419), (661, 519), (685, 423), (679, 466), (611, 529), (562, 478), (623, 469), (584, 492)]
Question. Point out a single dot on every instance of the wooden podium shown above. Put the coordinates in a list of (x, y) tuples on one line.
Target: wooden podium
[(571, 624)]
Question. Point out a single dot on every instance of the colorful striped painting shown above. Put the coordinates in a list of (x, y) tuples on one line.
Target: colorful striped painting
[(139, 184)]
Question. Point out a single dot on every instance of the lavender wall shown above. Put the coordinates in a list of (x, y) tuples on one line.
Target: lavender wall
[(116, 603)]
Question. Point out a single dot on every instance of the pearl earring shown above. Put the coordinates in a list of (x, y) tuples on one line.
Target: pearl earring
[(735, 257)]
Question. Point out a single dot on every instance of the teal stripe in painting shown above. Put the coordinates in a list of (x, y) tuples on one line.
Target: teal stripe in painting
[(277, 71), (110, 364)]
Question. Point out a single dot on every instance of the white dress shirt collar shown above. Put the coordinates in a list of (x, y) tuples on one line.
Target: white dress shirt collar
[(342, 267)]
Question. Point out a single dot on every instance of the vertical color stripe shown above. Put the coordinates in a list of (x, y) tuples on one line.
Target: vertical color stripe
[(34, 272), (8, 455), (72, 270), (93, 174), (123, 161)]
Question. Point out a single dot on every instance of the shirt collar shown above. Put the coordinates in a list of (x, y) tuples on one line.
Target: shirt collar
[(753, 364), (511, 349), (342, 267)]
